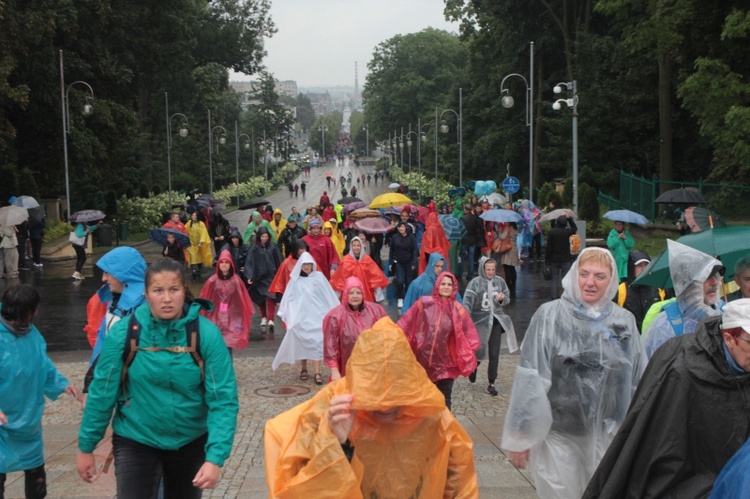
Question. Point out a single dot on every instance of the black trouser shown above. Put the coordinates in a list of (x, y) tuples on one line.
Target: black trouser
[(493, 350), (36, 249), (446, 388), (536, 241), (510, 277), (139, 468), (80, 256), (22, 251), (35, 483)]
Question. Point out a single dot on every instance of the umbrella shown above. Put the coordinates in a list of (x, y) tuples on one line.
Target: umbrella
[(699, 219), (495, 199), (456, 192), (727, 244), (13, 215), (394, 185), (37, 213), (200, 203), (354, 206), (483, 188), (681, 196), (159, 236), (453, 227), (373, 225), (26, 202), (555, 214), (389, 199), (363, 213), (348, 199), (253, 204), (210, 199), (471, 184), (626, 216), (501, 216), (85, 216)]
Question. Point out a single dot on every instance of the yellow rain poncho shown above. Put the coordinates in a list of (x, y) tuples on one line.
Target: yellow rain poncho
[(424, 453), (336, 237), (199, 250)]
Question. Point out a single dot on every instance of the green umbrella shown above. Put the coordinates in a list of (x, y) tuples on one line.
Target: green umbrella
[(728, 244)]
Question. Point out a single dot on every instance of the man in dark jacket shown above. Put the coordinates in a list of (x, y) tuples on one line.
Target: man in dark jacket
[(558, 255), (639, 298), (290, 235), (474, 236)]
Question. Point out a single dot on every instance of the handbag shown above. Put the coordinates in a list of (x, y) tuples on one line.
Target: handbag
[(73, 238), (502, 245)]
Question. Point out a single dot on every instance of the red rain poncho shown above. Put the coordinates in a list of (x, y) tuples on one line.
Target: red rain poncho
[(324, 252), (364, 269), (441, 334), (232, 306), (283, 275), (342, 326), (433, 241), (424, 453)]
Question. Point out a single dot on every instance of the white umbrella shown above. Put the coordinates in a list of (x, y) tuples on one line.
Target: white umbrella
[(554, 214), (494, 199), (27, 202), (13, 215), (394, 185)]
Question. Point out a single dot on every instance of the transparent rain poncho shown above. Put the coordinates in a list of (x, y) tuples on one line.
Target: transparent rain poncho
[(580, 365), (689, 269)]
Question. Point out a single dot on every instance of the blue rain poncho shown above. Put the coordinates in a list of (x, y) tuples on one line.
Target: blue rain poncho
[(689, 269), (27, 375), (480, 302), (580, 365), (423, 285)]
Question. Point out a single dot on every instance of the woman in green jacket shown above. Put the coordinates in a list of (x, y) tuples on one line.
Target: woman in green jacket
[(168, 421)]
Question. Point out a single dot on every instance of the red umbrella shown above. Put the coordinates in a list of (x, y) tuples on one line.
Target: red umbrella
[(373, 225)]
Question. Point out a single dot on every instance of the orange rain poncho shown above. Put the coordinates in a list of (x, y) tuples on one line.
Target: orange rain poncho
[(424, 453), (363, 268), (433, 241)]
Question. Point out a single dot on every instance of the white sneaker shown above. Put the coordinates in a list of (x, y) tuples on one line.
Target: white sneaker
[(38, 265), (400, 302), (263, 323), (77, 275)]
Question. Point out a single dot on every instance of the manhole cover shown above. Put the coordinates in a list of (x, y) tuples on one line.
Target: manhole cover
[(282, 391)]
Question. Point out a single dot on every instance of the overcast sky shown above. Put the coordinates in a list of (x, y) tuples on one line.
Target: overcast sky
[(318, 41)]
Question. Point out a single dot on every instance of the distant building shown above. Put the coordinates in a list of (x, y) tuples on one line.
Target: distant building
[(247, 90), (321, 102)]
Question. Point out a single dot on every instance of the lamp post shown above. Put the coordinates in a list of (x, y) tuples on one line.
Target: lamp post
[(422, 138), (265, 156), (367, 140), (323, 129), (87, 110), (410, 143), (222, 141), (459, 132), (183, 133), (507, 102), (573, 104), (237, 156), (436, 155)]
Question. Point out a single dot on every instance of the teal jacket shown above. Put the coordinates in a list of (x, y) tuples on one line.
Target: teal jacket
[(167, 405), (620, 249)]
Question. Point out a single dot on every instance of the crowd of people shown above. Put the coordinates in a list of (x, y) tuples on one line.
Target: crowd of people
[(622, 389)]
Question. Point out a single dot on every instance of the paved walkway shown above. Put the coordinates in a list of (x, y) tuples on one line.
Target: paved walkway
[(265, 393)]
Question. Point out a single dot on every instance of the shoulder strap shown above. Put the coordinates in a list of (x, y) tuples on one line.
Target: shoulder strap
[(192, 330), (675, 317), (131, 345)]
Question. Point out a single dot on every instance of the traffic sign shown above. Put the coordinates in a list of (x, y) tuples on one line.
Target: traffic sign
[(511, 185)]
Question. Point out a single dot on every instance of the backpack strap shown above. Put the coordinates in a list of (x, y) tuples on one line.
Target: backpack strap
[(674, 315)]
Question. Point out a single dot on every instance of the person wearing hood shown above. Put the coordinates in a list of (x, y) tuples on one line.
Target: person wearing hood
[(484, 298), (290, 235), (304, 324), (278, 224), (581, 360), (233, 309), (343, 324), (442, 335), (261, 263), (359, 264), (237, 248), (558, 256), (283, 275), (688, 416), (425, 283), (331, 231), (638, 298), (328, 212), (252, 227), (696, 277), (123, 271), (620, 242), (219, 232), (27, 375), (381, 431), (199, 251), (324, 200), (169, 419), (322, 249), (433, 241)]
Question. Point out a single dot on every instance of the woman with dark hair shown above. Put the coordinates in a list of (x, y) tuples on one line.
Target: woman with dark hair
[(173, 416), (403, 257), (218, 231), (261, 263), (509, 259)]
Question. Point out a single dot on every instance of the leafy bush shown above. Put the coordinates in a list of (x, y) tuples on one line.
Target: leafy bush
[(253, 188), (55, 229), (144, 213), (421, 184), (588, 208)]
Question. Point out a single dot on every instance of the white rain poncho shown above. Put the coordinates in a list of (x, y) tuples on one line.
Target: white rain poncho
[(303, 307), (483, 307), (580, 365), (689, 269)]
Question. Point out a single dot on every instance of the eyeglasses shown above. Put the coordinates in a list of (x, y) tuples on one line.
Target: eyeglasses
[(743, 339)]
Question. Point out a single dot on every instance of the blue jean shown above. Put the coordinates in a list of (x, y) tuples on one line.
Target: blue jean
[(468, 251), (404, 276), (139, 468)]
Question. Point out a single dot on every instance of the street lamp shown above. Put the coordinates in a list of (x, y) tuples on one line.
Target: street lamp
[(507, 102), (573, 104), (323, 129), (183, 133), (366, 129), (237, 139), (263, 149), (422, 138), (87, 110), (459, 132), (409, 143), (222, 141)]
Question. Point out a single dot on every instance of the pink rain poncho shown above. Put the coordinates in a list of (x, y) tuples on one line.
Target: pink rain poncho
[(232, 306), (441, 334), (342, 325)]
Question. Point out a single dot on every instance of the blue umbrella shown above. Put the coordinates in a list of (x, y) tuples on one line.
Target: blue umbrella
[(482, 187), (453, 227), (501, 216), (159, 236), (626, 216), (26, 202)]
